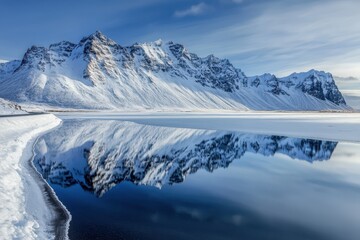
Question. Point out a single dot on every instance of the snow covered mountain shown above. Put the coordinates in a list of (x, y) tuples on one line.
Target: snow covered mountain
[(7, 107), (99, 73), (98, 154)]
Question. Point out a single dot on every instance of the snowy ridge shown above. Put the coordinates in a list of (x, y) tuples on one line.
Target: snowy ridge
[(98, 73), (100, 154)]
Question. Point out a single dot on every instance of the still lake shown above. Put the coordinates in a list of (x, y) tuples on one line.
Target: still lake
[(122, 180)]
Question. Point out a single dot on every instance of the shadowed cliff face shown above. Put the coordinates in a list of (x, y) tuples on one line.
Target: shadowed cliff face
[(100, 154)]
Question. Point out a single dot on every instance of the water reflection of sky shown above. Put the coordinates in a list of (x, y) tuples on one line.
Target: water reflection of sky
[(256, 197), (317, 196)]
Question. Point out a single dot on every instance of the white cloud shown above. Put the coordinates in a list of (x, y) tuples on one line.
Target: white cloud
[(285, 38), (194, 10), (280, 37)]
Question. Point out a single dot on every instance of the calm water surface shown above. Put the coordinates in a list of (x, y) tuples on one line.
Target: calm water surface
[(122, 180)]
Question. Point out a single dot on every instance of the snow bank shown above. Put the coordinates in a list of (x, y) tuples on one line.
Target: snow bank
[(24, 213)]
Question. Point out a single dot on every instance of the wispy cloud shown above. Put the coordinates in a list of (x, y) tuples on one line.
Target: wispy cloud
[(227, 2), (194, 10), (278, 36), (285, 38)]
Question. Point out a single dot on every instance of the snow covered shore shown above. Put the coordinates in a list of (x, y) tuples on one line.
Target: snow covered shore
[(24, 211)]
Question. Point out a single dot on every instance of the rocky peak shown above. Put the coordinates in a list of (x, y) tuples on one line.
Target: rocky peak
[(317, 84), (151, 56), (268, 82), (35, 57), (209, 71), (97, 51), (178, 50), (63, 48), (96, 44), (97, 38)]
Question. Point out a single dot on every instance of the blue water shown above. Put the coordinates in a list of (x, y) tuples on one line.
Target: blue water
[(272, 190)]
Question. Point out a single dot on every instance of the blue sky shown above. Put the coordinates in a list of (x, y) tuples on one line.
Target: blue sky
[(279, 36)]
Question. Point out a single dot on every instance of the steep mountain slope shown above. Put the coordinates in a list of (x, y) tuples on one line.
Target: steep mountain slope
[(99, 73), (100, 154)]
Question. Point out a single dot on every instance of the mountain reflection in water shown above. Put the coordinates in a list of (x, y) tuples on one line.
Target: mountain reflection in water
[(98, 155)]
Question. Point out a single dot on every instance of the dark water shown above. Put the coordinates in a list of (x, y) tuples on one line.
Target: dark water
[(122, 180)]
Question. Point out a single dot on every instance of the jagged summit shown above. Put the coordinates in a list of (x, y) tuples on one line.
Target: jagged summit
[(99, 73), (96, 35), (96, 38), (318, 84)]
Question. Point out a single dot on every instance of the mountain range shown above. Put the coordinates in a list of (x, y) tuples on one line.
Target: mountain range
[(98, 73)]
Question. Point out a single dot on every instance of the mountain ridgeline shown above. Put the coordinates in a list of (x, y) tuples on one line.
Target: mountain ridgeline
[(98, 73)]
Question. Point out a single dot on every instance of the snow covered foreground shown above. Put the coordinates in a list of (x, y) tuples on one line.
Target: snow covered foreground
[(24, 212), (314, 125)]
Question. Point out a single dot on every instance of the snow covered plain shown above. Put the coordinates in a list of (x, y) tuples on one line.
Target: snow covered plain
[(315, 125), (25, 212)]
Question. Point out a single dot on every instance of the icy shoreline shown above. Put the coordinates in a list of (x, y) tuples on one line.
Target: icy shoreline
[(61, 218), (25, 212)]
